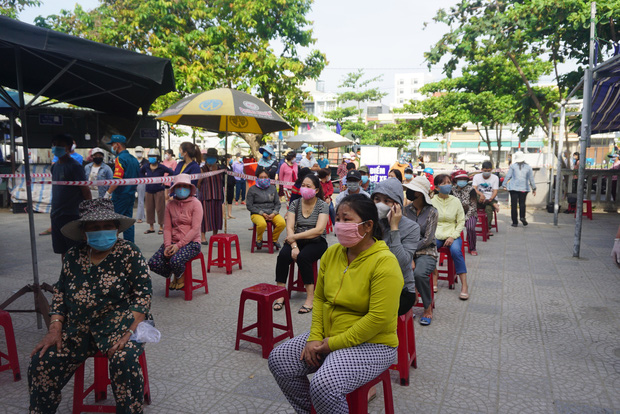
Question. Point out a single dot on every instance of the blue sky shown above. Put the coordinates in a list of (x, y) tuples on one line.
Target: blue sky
[(383, 38)]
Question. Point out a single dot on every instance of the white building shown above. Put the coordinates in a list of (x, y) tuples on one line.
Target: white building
[(319, 101), (407, 87)]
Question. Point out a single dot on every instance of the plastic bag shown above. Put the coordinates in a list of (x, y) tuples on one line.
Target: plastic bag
[(146, 332)]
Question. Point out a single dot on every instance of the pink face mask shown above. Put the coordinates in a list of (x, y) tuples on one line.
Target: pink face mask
[(347, 233), (307, 193)]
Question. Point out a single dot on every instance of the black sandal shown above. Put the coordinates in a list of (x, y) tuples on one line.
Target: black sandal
[(278, 306), (304, 309)]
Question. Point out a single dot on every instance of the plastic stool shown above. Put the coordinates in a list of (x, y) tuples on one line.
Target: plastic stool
[(482, 225), (587, 211), (449, 274), (11, 355), (297, 285), (406, 347), (264, 294), (494, 224), (269, 238), (189, 278), (224, 255), (358, 399), (100, 386)]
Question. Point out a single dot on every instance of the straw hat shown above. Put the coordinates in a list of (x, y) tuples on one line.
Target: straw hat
[(184, 179), (95, 210), (421, 185)]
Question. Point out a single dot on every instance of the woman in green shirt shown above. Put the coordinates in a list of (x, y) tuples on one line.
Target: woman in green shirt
[(353, 334)]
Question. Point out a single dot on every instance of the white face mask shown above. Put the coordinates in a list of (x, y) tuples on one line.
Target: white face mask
[(383, 210)]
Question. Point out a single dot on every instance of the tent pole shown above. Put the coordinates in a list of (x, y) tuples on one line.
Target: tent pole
[(550, 151), (586, 129), (226, 182), (558, 176)]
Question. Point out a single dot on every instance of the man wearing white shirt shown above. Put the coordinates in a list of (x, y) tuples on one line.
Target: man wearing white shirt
[(308, 161)]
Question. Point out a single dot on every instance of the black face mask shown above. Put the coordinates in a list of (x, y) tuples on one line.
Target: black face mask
[(412, 195), (98, 160)]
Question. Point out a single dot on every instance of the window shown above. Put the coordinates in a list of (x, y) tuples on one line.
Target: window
[(415, 81), (414, 90), (401, 91), (401, 101), (401, 81)]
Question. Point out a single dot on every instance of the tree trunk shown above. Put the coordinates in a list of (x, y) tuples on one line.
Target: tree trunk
[(254, 141), (498, 133), (488, 141), (530, 92)]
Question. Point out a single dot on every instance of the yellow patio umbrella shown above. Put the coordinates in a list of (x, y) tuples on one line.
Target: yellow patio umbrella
[(225, 110)]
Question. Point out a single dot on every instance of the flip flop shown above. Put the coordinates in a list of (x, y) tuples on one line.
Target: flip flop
[(278, 306), (473, 253), (160, 232), (149, 231), (425, 321), (304, 309), (464, 296), (435, 289), (45, 232)]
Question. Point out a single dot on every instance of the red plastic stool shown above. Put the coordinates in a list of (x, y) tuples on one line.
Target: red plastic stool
[(330, 226), (11, 355), (297, 285), (224, 255), (358, 399), (586, 211), (264, 294), (447, 272), (482, 225), (269, 238), (189, 278), (406, 347), (100, 386), (494, 224)]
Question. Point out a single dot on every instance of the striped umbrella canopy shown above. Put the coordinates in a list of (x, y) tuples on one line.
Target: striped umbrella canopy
[(225, 110)]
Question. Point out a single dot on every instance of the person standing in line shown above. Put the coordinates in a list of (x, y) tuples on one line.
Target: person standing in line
[(211, 194), (342, 168), (465, 192), (366, 183), (123, 196), (239, 181), (66, 199), (518, 180), (191, 159), (230, 186), (288, 173), (155, 197), (98, 170), (171, 163), (268, 160), (139, 151), (323, 161)]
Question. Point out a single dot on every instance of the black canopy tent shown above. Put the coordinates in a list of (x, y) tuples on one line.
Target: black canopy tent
[(66, 68)]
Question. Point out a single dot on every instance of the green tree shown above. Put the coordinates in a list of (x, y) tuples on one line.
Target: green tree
[(212, 44), (359, 90), (12, 8), (523, 30)]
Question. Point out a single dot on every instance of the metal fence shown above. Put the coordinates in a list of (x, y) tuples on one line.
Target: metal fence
[(600, 186)]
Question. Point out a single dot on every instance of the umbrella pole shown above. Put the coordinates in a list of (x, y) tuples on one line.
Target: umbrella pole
[(226, 182)]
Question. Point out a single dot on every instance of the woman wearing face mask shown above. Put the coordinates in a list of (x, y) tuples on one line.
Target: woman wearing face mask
[(211, 194), (328, 190), (401, 234), (288, 172), (155, 195), (305, 240), (103, 293), (264, 205), (462, 190), (450, 223), (181, 233), (190, 160), (170, 162), (352, 338), (98, 170), (519, 179), (295, 195), (421, 210)]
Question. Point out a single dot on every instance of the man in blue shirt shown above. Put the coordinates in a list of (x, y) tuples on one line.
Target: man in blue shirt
[(65, 198), (123, 196), (323, 162)]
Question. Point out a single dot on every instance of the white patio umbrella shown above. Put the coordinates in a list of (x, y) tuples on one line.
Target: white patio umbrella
[(319, 135)]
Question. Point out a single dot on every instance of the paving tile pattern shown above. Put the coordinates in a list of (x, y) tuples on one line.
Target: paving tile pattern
[(540, 333)]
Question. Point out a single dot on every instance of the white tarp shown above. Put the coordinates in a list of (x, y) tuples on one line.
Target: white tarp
[(41, 193)]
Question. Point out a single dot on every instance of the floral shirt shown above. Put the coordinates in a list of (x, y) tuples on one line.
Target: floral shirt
[(100, 299), (469, 201)]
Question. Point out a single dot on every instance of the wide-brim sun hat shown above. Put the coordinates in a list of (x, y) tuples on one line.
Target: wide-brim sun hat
[(211, 152), (421, 185), (518, 156), (93, 211), (269, 149), (184, 179)]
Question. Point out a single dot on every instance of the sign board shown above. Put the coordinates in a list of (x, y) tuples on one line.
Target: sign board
[(378, 172), (152, 133), (50, 119)]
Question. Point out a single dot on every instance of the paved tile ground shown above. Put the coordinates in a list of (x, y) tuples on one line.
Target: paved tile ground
[(540, 334)]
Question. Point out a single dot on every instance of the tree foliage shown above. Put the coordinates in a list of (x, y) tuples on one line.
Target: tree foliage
[(12, 8), (212, 44), (521, 31), (358, 89)]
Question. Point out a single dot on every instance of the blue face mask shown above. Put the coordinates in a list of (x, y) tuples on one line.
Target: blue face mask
[(182, 192), (112, 150), (461, 183), (263, 183), (408, 176), (211, 160), (153, 160), (445, 189), (364, 179), (101, 240), (266, 156), (230, 161), (59, 151)]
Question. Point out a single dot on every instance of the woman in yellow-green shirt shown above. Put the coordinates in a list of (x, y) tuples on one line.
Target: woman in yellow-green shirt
[(353, 334)]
